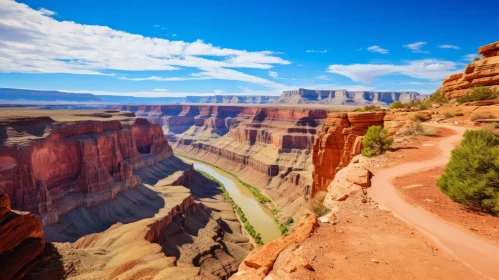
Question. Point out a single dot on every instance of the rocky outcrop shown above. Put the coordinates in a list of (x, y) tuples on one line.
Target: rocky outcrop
[(21, 240), (483, 72), (262, 261), (49, 167), (343, 97), (339, 140), (268, 147)]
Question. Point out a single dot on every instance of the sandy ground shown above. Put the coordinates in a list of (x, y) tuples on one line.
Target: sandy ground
[(478, 253), (369, 243)]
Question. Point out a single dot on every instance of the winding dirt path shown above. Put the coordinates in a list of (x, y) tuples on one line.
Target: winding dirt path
[(474, 251)]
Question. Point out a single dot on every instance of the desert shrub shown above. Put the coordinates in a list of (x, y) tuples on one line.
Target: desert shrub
[(316, 204), (492, 127), (438, 98), (448, 115), (289, 221), (397, 105), (376, 141), (476, 59), (479, 93), (368, 108), (418, 129), (458, 114), (481, 115), (419, 117), (472, 175)]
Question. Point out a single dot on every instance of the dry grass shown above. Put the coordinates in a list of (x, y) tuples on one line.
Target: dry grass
[(492, 127), (419, 129), (315, 204), (419, 117), (482, 115)]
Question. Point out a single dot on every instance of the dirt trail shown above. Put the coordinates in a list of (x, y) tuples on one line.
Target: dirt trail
[(474, 251)]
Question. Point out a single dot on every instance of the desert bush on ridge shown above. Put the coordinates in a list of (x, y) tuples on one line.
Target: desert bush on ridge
[(479, 93), (472, 175), (419, 129), (481, 115), (376, 141)]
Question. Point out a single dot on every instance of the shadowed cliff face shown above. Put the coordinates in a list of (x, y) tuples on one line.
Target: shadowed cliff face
[(49, 167), (483, 72), (338, 141), (21, 240), (268, 147)]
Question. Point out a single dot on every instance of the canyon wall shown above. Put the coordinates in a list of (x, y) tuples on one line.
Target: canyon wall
[(483, 72), (21, 240), (49, 167), (338, 141), (344, 97), (268, 147)]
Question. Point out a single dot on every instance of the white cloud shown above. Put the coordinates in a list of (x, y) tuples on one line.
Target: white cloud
[(431, 69), (34, 42), (416, 47), (449, 47), (160, 89), (46, 12), (377, 49), (316, 51), (359, 49), (471, 57), (322, 77), (218, 91), (273, 74)]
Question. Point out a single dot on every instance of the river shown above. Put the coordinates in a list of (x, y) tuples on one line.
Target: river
[(259, 216)]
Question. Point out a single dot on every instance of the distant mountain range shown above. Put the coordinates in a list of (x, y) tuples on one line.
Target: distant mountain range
[(300, 96)]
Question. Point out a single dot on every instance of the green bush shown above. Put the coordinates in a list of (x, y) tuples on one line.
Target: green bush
[(458, 114), (438, 98), (472, 175), (368, 108), (397, 105), (375, 141), (479, 93)]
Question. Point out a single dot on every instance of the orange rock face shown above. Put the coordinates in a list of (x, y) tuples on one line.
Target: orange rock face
[(49, 167), (484, 72), (260, 261), (21, 240), (339, 140)]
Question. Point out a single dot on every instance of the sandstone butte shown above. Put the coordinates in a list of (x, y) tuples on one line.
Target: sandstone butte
[(483, 72), (83, 172)]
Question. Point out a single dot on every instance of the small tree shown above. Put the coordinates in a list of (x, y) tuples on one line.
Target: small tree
[(479, 93), (397, 105), (472, 175), (376, 141)]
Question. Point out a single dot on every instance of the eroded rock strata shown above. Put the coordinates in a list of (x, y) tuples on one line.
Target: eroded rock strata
[(49, 167), (338, 141), (483, 72), (268, 147), (21, 240)]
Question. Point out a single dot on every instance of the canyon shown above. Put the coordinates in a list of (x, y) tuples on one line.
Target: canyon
[(96, 180), (481, 72), (300, 96)]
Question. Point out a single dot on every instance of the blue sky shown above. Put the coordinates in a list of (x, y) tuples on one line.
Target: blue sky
[(176, 48)]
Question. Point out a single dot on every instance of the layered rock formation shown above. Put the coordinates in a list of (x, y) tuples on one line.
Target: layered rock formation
[(21, 240), (49, 167), (268, 147), (483, 72), (338, 141), (344, 97)]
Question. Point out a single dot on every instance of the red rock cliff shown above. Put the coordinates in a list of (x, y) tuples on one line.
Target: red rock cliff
[(21, 240), (338, 141), (483, 72), (49, 167)]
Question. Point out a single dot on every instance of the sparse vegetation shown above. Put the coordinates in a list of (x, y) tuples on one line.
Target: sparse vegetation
[(254, 191), (289, 221), (492, 127), (458, 114), (481, 115), (368, 108), (397, 105), (448, 115), (476, 59), (376, 141), (479, 93), (438, 98), (247, 226), (418, 117), (472, 175), (435, 98), (419, 129), (316, 204)]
